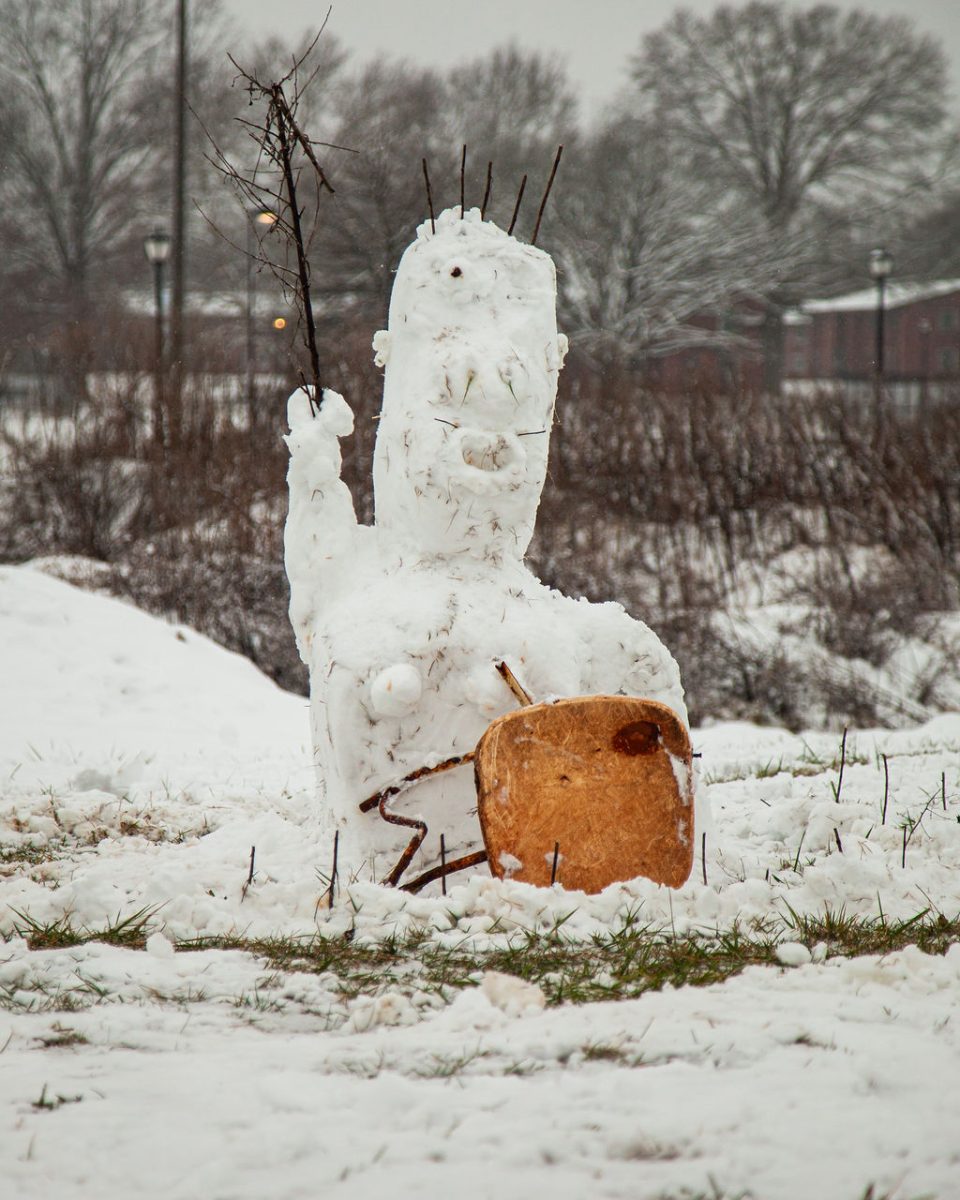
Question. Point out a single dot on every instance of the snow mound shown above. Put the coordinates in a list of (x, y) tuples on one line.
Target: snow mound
[(94, 682)]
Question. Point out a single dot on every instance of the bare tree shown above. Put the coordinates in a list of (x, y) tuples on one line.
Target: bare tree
[(791, 106), (394, 115), (78, 125), (785, 104), (645, 251), (512, 108)]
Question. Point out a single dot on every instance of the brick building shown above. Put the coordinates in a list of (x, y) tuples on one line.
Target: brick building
[(831, 343)]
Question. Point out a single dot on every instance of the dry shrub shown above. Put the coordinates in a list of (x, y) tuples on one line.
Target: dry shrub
[(192, 531), (673, 505)]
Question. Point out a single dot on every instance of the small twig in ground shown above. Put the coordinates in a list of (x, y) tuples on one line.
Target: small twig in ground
[(516, 208), (426, 180), (836, 834), (246, 886), (463, 172), (796, 861), (886, 789), (703, 857), (943, 789), (556, 860), (486, 192), (843, 760), (903, 856), (543, 202), (916, 824), (443, 864), (333, 869)]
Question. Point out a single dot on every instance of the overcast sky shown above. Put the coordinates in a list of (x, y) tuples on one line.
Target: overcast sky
[(594, 37)]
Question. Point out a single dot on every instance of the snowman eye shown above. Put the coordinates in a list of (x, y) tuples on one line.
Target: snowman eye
[(456, 272)]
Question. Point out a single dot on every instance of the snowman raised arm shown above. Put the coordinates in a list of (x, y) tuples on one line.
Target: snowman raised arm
[(402, 624)]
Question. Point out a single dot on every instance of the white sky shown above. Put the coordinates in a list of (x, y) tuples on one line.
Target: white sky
[(595, 37)]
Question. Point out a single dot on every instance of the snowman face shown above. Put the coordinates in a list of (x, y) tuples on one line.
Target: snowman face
[(472, 357)]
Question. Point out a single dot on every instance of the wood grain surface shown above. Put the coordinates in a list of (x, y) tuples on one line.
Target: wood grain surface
[(608, 778)]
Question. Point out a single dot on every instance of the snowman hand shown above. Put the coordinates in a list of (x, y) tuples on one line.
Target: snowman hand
[(396, 691), (333, 415)]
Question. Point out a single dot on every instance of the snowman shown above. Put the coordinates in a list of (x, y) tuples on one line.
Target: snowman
[(402, 624)]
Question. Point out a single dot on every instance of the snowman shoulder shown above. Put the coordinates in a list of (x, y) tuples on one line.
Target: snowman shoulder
[(624, 655)]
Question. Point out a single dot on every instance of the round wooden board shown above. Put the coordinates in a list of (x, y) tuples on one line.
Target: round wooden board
[(609, 778)]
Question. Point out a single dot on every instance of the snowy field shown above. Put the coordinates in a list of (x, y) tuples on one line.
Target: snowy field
[(139, 765)]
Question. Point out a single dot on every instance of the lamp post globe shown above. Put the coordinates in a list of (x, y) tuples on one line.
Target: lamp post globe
[(881, 264), (156, 247)]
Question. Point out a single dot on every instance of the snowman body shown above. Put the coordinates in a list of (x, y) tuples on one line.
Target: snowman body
[(402, 624)]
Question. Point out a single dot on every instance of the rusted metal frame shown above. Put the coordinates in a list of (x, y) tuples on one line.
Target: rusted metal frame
[(420, 773), (379, 801), (445, 869), (414, 845)]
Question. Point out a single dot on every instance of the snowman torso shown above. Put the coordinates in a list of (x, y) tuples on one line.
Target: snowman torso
[(402, 625)]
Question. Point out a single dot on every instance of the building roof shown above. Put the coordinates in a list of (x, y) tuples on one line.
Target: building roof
[(896, 295)]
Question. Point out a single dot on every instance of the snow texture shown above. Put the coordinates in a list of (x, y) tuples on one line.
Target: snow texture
[(138, 765), (402, 624)]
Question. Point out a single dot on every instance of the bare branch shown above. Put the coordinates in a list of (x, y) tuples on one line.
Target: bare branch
[(543, 202)]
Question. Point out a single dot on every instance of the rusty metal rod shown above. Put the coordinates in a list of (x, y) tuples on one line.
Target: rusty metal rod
[(441, 872), (412, 847), (448, 764)]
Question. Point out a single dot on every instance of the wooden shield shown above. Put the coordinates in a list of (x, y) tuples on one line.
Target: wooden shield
[(609, 778)]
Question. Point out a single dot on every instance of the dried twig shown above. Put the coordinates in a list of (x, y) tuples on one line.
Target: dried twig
[(303, 265), (843, 760), (333, 869), (543, 202), (486, 192), (246, 886), (273, 183), (463, 172), (514, 684), (426, 179), (516, 209)]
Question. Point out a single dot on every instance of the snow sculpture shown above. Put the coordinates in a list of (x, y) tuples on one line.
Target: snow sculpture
[(402, 624)]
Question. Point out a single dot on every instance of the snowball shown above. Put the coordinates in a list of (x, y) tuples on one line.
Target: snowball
[(396, 690), (512, 995), (159, 946), (392, 1008), (793, 954)]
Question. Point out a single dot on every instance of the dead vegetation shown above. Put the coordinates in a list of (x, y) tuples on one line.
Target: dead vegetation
[(688, 509)]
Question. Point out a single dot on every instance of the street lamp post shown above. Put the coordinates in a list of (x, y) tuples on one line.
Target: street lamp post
[(881, 264), (266, 220), (925, 328), (156, 247)]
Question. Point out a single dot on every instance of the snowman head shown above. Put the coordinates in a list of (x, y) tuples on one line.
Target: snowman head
[(471, 361)]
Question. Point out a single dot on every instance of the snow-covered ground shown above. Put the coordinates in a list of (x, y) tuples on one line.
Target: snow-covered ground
[(139, 764)]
